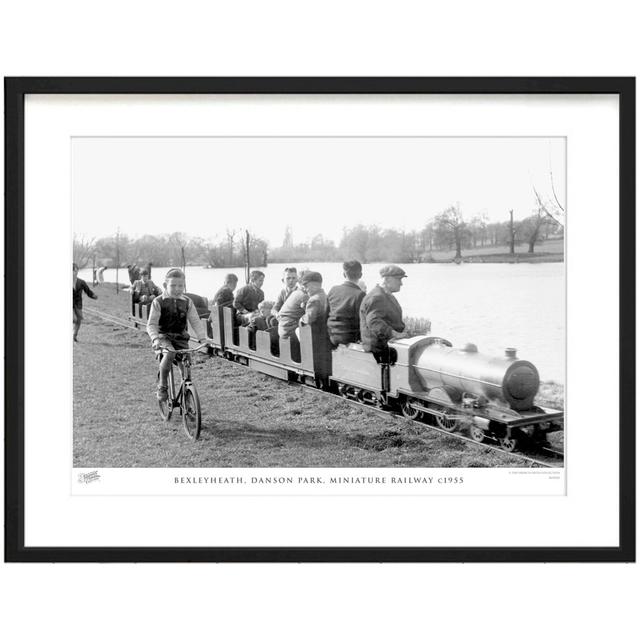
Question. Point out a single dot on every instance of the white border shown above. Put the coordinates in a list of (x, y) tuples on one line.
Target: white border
[(587, 516)]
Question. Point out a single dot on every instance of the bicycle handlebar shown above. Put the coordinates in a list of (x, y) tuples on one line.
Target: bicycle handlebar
[(167, 350)]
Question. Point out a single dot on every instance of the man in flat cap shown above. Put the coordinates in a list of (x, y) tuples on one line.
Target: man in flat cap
[(316, 309), (315, 316), (381, 314), (306, 305)]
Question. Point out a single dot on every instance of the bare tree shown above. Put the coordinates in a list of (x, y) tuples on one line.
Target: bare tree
[(451, 225), (531, 227), (258, 251), (83, 250), (214, 254), (477, 229), (356, 242), (178, 242), (426, 240), (410, 248), (512, 234), (287, 243), (551, 205), (231, 235)]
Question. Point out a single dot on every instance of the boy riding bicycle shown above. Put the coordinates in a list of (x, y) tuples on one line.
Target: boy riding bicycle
[(167, 324)]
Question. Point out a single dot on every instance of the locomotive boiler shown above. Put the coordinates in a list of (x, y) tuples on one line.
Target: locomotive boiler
[(464, 371)]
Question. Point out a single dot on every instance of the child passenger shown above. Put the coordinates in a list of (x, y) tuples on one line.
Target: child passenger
[(266, 319), (144, 290), (167, 324)]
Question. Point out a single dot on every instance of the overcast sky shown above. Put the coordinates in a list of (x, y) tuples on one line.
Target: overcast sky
[(201, 186)]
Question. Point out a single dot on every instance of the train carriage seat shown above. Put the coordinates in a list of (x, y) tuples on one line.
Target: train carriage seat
[(201, 304), (357, 346)]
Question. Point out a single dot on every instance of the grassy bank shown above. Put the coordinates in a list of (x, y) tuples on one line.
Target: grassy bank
[(549, 251), (250, 420)]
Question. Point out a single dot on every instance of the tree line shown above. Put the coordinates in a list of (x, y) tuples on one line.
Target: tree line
[(448, 231), (175, 249)]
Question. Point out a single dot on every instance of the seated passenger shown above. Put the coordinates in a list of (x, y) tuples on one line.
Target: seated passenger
[(344, 301), (266, 320), (249, 297), (291, 312), (316, 309), (224, 295), (290, 280), (144, 290), (201, 304), (315, 316)]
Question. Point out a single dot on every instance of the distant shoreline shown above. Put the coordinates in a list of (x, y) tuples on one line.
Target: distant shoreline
[(509, 258), (488, 258), (551, 250)]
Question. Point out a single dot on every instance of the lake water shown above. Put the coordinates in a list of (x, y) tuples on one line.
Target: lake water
[(492, 305)]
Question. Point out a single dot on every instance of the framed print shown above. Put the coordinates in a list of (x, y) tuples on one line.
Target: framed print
[(320, 319)]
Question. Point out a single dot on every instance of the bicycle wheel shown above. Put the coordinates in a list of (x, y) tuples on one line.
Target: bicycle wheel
[(191, 416), (166, 406)]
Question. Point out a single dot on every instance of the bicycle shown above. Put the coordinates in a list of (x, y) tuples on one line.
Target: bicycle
[(187, 396)]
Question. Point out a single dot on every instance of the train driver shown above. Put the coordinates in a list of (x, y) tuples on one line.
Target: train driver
[(381, 314)]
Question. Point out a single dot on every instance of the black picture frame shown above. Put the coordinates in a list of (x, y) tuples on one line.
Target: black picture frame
[(15, 91)]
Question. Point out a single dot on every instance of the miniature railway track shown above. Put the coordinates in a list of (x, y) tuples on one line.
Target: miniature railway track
[(109, 318), (543, 457)]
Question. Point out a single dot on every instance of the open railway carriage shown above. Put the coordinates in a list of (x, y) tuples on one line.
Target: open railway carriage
[(308, 362), (492, 397)]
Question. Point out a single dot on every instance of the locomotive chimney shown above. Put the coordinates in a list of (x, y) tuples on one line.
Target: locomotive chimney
[(510, 353)]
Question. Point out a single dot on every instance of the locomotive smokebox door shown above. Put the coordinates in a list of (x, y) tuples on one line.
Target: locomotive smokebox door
[(521, 383)]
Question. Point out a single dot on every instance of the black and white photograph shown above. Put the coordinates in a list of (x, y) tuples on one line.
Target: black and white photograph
[(340, 302)]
